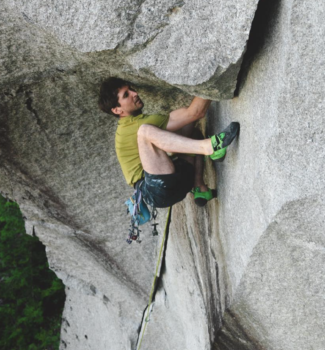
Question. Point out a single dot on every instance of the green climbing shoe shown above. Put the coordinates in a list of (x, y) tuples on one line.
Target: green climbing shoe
[(221, 141), (201, 198)]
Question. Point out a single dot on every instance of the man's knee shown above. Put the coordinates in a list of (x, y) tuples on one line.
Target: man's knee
[(144, 129)]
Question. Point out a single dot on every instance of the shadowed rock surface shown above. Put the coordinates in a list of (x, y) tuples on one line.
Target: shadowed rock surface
[(246, 271)]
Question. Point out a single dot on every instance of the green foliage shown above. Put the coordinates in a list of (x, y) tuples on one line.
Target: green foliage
[(31, 296)]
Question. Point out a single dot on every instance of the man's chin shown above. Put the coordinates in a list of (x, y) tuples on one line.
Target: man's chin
[(139, 105), (137, 112)]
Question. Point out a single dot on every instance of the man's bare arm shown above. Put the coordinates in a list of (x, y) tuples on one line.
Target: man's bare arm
[(183, 116)]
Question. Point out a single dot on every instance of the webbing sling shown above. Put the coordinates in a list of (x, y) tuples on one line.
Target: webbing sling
[(146, 320)]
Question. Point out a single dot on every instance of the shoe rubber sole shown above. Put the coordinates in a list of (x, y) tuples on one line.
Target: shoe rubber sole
[(219, 160), (201, 202), (221, 141)]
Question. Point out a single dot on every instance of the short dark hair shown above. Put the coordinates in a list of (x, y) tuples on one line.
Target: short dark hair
[(108, 94)]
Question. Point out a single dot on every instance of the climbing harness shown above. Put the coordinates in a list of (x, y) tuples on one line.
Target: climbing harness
[(140, 214), (156, 275)]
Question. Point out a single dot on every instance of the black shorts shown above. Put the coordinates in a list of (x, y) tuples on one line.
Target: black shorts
[(162, 191)]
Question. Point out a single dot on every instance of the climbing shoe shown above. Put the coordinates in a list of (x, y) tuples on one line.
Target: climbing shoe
[(221, 141), (201, 198)]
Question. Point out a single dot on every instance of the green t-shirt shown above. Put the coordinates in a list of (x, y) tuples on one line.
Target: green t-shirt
[(126, 143)]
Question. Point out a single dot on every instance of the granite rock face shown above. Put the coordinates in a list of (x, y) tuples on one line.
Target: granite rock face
[(246, 271), (185, 43), (274, 239)]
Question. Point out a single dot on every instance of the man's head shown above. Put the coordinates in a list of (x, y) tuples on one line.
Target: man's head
[(118, 98)]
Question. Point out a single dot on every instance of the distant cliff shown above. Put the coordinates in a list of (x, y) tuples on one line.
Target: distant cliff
[(246, 271)]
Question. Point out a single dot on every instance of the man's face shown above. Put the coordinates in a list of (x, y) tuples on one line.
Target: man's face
[(130, 102)]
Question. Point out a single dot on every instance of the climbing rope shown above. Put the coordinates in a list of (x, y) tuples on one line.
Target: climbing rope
[(146, 320)]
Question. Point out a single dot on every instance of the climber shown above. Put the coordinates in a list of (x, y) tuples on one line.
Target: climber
[(143, 141)]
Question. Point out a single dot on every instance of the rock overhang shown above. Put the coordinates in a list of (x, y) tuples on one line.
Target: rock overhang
[(196, 46)]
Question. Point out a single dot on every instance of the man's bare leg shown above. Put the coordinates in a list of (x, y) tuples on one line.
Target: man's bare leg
[(199, 164), (199, 168), (150, 136), (197, 161), (154, 160), (151, 139)]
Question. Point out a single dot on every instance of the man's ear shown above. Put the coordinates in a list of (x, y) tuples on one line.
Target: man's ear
[(116, 110)]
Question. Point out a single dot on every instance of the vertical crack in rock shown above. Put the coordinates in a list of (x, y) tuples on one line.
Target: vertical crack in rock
[(218, 317), (262, 25), (158, 280), (197, 272), (212, 300)]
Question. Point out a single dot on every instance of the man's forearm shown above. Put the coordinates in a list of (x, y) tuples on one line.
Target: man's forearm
[(199, 107), (184, 116)]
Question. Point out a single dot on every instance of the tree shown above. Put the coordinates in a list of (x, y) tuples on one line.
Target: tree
[(31, 296)]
